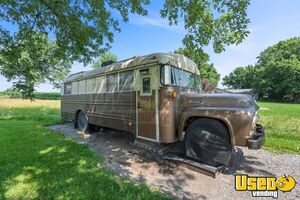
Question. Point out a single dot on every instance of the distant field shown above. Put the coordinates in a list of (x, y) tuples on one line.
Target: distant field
[(36, 95), (282, 125), (38, 164)]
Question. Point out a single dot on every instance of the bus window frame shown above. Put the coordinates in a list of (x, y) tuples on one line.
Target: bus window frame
[(142, 93), (161, 67)]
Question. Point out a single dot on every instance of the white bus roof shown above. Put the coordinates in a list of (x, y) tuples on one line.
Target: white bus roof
[(177, 60)]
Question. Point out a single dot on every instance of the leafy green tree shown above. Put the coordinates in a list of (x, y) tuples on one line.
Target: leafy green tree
[(241, 78), (276, 74), (83, 29), (207, 71), (107, 56), (33, 61), (279, 67)]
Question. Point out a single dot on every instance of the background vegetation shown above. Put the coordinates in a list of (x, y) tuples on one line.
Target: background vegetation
[(106, 56), (14, 94), (276, 74)]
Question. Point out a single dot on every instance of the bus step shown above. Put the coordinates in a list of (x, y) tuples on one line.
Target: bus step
[(153, 148), (200, 167), (144, 143)]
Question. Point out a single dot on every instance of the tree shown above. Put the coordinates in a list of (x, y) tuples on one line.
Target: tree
[(241, 78), (82, 29), (221, 22), (33, 61), (207, 71), (107, 56), (280, 69), (276, 73)]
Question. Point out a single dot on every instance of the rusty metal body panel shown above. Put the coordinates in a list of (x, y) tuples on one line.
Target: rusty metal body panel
[(112, 110), (235, 111), (146, 116)]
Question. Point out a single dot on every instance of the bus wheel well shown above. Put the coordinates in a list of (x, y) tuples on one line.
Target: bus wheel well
[(76, 118), (191, 119)]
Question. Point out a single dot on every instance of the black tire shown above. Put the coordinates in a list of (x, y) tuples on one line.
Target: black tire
[(82, 123), (208, 141)]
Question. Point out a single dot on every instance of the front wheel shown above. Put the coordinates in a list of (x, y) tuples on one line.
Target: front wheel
[(208, 141)]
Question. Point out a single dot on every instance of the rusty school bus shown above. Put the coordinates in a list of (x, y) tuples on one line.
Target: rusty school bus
[(158, 97)]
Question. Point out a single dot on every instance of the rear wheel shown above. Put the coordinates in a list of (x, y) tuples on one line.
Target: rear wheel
[(82, 123), (208, 141)]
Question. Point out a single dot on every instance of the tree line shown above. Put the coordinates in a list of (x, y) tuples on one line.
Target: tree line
[(275, 76)]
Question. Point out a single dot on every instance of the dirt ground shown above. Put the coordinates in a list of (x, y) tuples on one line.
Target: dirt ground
[(130, 160)]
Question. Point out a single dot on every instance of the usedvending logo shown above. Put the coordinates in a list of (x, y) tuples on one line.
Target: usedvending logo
[(264, 186)]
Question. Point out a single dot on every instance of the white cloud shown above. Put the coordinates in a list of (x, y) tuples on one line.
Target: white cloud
[(156, 21)]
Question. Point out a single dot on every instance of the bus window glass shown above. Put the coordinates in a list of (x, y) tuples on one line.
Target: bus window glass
[(75, 87), (100, 84), (68, 88), (91, 85), (178, 77), (112, 83), (188, 80), (81, 87), (175, 76), (126, 81), (146, 85), (165, 75)]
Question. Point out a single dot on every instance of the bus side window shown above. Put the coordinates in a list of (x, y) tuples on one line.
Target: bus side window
[(112, 83), (91, 86), (126, 81), (68, 88), (146, 86), (75, 87), (81, 87), (100, 84)]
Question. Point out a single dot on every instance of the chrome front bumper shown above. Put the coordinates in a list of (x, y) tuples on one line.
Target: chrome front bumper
[(258, 139)]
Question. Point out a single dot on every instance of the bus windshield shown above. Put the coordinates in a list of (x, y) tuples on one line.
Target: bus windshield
[(177, 77)]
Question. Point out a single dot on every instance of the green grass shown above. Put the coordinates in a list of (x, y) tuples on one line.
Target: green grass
[(282, 126), (36, 163)]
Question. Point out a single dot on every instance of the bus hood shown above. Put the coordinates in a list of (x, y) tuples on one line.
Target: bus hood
[(220, 100)]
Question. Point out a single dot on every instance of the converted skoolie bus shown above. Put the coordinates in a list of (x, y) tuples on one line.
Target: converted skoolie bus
[(158, 97)]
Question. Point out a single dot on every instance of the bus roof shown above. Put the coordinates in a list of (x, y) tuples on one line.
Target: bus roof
[(177, 60)]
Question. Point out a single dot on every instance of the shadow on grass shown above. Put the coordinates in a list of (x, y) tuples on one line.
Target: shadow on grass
[(37, 164), (130, 160), (65, 171)]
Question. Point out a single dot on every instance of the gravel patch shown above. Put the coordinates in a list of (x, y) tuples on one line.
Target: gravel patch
[(129, 160)]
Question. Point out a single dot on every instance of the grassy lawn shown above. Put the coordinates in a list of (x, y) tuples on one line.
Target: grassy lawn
[(282, 125), (38, 164)]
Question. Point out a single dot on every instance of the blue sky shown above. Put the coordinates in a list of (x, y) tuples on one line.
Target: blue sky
[(271, 21)]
